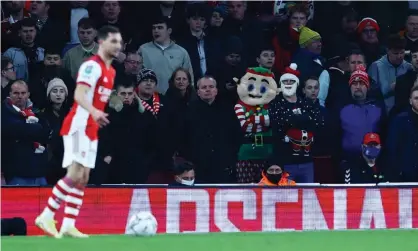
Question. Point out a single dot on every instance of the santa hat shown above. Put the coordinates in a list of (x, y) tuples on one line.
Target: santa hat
[(368, 21), (291, 73), (56, 82), (360, 74)]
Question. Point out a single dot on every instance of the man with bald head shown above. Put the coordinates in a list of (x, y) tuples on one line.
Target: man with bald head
[(24, 138), (212, 135)]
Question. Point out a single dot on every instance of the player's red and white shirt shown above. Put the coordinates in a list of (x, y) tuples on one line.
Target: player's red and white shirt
[(94, 73)]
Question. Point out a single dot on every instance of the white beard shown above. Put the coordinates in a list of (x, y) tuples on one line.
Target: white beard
[(288, 92)]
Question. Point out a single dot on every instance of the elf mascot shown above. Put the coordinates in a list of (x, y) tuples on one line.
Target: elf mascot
[(255, 90)]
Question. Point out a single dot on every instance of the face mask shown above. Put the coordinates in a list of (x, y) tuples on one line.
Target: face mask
[(274, 178), (187, 182), (371, 152)]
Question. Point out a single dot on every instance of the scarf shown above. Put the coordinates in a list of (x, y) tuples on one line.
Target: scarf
[(155, 104), (30, 117), (253, 110)]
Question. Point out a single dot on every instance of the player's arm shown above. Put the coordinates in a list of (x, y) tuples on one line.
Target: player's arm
[(88, 75)]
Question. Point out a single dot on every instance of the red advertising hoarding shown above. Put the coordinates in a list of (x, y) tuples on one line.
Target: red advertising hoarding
[(107, 210)]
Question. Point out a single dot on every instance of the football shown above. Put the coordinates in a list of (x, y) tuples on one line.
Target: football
[(142, 224)]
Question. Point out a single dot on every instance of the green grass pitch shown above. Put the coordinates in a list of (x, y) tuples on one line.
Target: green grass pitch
[(370, 240)]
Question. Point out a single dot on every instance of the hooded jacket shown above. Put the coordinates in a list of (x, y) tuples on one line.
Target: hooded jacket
[(385, 73)]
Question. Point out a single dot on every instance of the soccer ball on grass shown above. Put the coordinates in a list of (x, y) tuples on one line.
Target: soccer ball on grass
[(142, 224)]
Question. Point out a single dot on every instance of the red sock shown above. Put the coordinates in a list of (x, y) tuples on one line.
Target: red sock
[(59, 193), (74, 200)]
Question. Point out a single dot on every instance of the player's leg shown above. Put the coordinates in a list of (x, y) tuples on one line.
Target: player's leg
[(64, 186), (74, 200)]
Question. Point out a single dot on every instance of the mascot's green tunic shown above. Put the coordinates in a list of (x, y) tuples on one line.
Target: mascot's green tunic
[(255, 89)]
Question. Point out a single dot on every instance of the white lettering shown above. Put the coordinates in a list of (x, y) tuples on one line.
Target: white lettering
[(372, 209), (340, 209), (270, 198), (405, 208), (174, 199), (312, 216), (139, 203), (223, 197)]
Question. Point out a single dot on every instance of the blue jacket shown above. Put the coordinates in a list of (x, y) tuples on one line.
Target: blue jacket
[(20, 61), (18, 151), (384, 73), (356, 120), (402, 146)]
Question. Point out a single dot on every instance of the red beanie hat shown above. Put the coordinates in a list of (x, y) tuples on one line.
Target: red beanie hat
[(360, 74), (368, 21)]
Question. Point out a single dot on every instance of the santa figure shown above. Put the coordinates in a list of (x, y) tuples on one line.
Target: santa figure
[(295, 119), (255, 90)]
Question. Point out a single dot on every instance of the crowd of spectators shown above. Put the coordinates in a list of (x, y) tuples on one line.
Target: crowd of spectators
[(358, 64)]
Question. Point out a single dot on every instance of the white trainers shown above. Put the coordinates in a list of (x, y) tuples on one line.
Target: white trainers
[(73, 232), (47, 225)]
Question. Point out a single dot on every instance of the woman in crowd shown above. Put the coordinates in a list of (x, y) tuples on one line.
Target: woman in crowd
[(54, 113)]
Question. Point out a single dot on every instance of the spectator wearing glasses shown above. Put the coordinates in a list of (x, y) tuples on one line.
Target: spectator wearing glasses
[(8, 74), (129, 69), (368, 39)]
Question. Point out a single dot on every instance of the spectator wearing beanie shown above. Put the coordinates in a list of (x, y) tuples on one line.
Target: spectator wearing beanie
[(215, 22), (54, 113), (310, 62), (368, 39), (157, 114), (361, 116), (286, 40), (392, 65), (275, 175), (293, 120)]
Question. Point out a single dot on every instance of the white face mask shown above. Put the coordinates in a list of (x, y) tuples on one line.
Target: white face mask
[(289, 92), (187, 182)]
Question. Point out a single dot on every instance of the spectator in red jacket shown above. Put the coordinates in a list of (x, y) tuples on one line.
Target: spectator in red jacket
[(286, 41)]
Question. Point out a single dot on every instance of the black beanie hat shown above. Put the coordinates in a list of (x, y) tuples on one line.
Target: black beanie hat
[(146, 74)]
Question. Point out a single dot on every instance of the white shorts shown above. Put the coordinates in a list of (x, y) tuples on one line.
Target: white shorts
[(79, 148)]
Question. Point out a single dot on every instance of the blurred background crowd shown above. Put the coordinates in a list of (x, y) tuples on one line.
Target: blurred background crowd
[(358, 65)]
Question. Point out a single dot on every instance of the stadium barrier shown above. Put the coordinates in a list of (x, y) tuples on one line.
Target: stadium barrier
[(106, 209)]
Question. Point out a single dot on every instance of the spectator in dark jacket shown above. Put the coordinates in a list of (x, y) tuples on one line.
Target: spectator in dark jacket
[(368, 40), (8, 75), (322, 150), (212, 136), (54, 113), (184, 174), (361, 116), (404, 85), (294, 120), (366, 168), (126, 150), (204, 50), (49, 69), (402, 143), (24, 135), (310, 62), (179, 96)]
